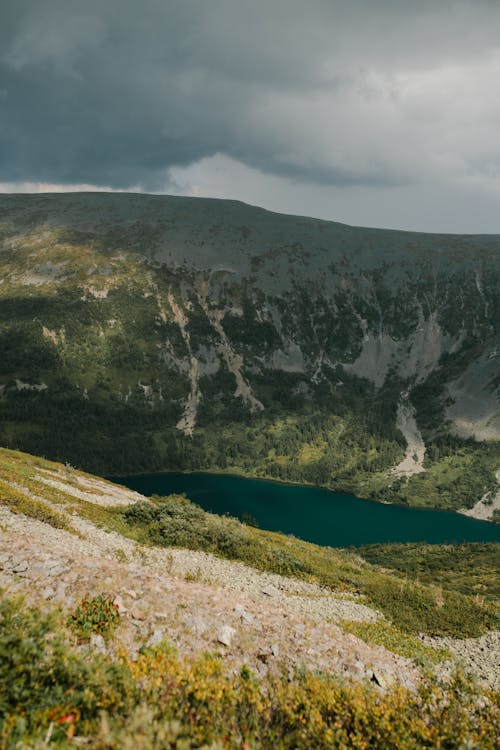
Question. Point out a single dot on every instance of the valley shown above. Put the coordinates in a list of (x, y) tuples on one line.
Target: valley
[(154, 333)]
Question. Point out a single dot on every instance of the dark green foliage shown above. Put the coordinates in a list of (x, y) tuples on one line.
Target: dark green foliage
[(120, 305)]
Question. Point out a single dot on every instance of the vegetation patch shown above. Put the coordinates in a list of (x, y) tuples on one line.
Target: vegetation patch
[(384, 634), (55, 695), (411, 606), (472, 569), (95, 615), (20, 502)]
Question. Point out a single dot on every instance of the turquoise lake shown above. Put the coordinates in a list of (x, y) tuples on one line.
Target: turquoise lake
[(315, 514)]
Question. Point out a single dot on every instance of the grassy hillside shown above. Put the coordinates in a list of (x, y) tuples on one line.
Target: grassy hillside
[(57, 692), (141, 333), (437, 606)]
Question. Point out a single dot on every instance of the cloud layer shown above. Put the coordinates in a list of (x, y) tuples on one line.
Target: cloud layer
[(367, 97)]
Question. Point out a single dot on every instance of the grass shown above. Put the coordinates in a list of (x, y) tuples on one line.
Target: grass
[(412, 606), (395, 640), (53, 694), (470, 569), (18, 502), (419, 588)]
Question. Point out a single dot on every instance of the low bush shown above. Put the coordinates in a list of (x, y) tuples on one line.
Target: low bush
[(411, 606), (52, 692), (44, 681), (95, 615)]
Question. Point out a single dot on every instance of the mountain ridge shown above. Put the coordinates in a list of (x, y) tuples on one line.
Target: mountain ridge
[(361, 359)]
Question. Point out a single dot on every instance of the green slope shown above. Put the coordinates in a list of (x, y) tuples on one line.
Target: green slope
[(145, 333)]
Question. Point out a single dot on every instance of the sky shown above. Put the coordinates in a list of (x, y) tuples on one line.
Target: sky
[(371, 112)]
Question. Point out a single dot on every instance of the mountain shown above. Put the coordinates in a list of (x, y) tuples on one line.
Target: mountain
[(146, 332)]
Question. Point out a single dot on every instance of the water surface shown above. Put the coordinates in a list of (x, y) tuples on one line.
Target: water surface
[(315, 514)]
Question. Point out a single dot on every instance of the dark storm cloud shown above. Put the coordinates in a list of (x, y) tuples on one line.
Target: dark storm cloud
[(116, 92)]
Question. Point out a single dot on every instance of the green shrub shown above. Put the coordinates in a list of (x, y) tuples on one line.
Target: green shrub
[(95, 615), (411, 606), (44, 680), (158, 701)]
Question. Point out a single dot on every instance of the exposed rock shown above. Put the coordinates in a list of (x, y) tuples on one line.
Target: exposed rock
[(383, 677), (157, 636), (246, 618), (137, 613), (118, 602), (226, 635), (20, 567), (97, 643), (270, 591)]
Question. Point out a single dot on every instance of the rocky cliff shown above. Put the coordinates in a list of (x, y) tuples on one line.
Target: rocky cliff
[(151, 332)]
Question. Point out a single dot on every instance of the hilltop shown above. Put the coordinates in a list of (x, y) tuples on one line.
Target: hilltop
[(331, 624), (143, 333)]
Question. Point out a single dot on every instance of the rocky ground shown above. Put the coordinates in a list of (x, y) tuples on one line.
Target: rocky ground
[(194, 600), (199, 602)]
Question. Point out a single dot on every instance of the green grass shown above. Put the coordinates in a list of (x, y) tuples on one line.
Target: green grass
[(32, 507), (439, 590), (384, 634), (471, 569)]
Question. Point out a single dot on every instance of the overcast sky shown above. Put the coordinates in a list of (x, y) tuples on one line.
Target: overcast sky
[(370, 112)]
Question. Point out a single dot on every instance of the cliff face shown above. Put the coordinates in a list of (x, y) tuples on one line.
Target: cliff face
[(142, 332)]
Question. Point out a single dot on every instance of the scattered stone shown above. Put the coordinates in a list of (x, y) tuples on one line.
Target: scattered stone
[(161, 616), (137, 614), (118, 602), (20, 567), (246, 617), (155, 638), (198, 625), (290, 622), (48, 564), (270, 591), (357, 670), (383, 677), (225, 635), (97, 643), (61, 591), (56, 570), (268, 652)]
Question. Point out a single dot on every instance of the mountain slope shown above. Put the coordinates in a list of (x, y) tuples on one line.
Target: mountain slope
[(235, 653), (150, 332)]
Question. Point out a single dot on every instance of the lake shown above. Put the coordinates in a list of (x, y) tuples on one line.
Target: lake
[(315, 514)]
